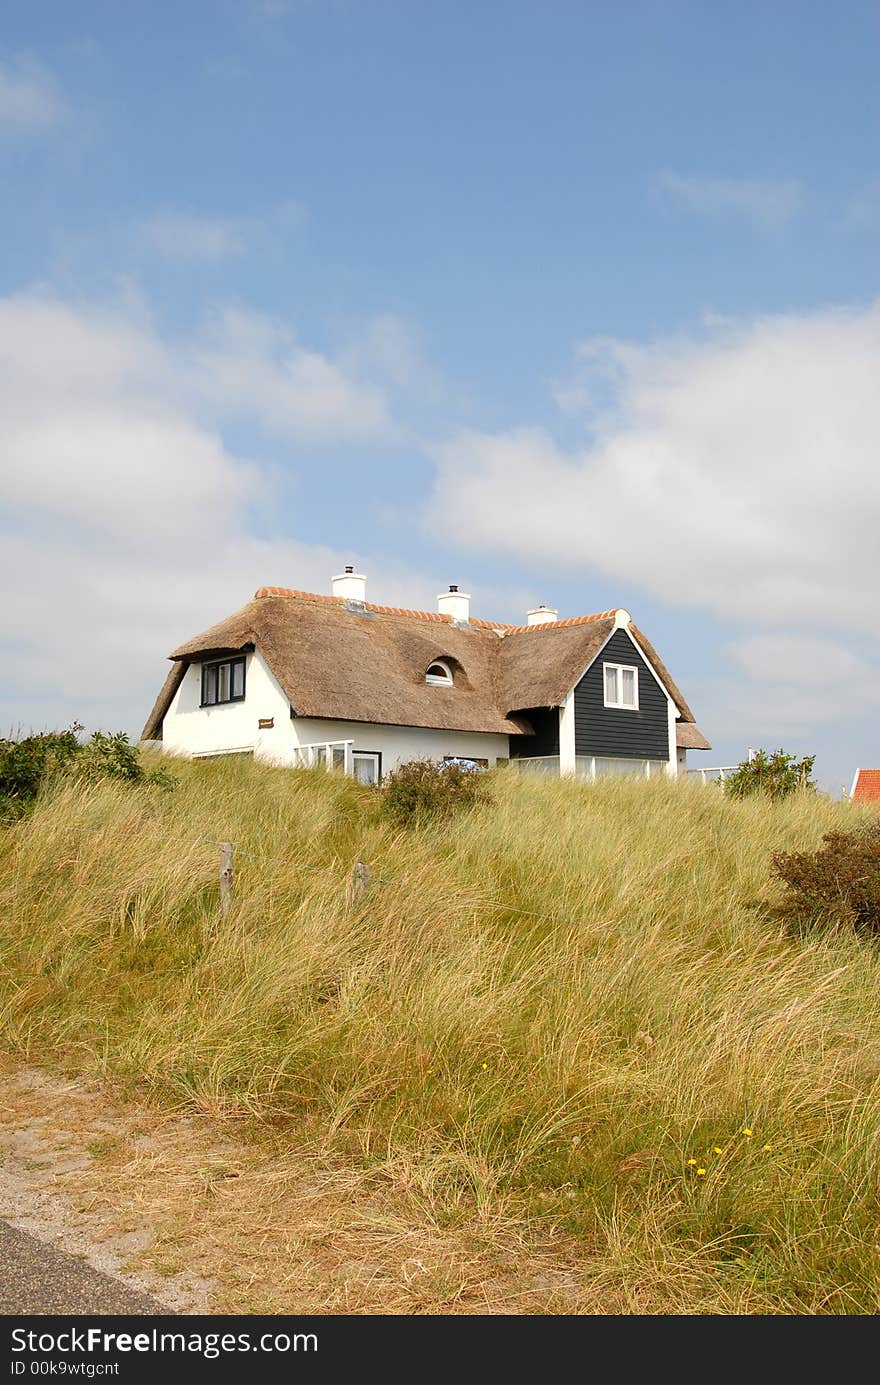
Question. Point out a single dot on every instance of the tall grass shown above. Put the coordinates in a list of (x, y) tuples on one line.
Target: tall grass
[(550, 1007)]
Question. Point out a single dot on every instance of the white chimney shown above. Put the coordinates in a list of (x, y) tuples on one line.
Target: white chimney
[(350, 585), (454, 603), (542, 615)]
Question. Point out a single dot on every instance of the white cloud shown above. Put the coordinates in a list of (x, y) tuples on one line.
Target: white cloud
[(246, 364), (187, 237), (31, 100), (737, 473), (788, 684), (767, 203), (184, 236), (804, 661), (128, 522)]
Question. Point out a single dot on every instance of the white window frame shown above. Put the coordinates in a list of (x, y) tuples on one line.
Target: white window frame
[(375, 756), (618, 668), (447, 682)]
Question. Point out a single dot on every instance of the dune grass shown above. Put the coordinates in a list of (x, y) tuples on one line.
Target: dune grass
[(576, 1006)]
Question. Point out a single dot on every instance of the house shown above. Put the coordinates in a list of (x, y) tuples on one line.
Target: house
[(866, 786), (295, 677)]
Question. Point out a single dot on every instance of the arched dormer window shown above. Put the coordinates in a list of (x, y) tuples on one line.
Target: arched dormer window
[(439, 674)]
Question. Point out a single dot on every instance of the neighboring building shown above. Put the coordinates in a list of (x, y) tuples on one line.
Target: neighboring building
[(866, 786), (293, 677)]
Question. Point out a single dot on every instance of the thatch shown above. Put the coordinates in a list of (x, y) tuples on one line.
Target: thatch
[(689, 737), (539, 665), (153, 727), (662, 673), (348, 663)]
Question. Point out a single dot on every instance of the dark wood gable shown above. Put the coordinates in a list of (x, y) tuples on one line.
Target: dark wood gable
[(616, 731)]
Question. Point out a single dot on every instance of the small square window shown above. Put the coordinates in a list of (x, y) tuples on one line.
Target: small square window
[(621, 683), (223, 682)]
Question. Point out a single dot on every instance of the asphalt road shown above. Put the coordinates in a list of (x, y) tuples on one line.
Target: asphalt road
[(36, 1278)]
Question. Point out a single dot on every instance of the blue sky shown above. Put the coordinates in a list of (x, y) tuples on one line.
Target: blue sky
[(565, 302)]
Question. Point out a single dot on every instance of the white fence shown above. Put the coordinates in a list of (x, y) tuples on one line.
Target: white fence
[(716, 771), (326, 754), (536, 764), (593, 767)]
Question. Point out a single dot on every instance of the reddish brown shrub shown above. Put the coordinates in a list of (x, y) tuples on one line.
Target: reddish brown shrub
[(839, 883)]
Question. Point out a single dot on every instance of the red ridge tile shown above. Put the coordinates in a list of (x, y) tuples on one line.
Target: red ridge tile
[(500, 625)]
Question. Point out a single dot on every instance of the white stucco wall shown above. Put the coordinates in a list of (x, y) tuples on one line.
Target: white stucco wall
[(400, 743), (190, 729)]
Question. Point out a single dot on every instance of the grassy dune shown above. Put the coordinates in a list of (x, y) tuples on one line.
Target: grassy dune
[(548, 1009)]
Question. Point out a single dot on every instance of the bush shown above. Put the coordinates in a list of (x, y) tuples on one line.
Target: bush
[(28, 765), (839, 883), (776, 775), (422, 791), (113, 757)]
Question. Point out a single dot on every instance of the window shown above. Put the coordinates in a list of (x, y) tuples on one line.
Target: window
[(223, 682), (621, 686), (439, 675), (367, 766)]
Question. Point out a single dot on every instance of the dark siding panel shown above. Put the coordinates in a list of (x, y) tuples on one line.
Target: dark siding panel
[(613, 731), (545, 741)]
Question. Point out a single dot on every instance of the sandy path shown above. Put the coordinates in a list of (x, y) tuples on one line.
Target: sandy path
[(52, 1134), (186, 1209)]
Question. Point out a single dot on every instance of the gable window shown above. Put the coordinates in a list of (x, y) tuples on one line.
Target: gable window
[(621, 686), (223, 682), (439, 675)]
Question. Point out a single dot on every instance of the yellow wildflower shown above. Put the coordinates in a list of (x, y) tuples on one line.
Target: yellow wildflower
[(692, 1163), (717, 1150), (767, 1148), (700, 1172), (485, 1067), (747, 1132)]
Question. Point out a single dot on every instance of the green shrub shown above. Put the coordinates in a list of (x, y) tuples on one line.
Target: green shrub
[(776, 775), (839, 883), (113, 757), (28, 765), (422, 791)]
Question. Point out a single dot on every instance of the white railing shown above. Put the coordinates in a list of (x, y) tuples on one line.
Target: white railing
[(593, 767), (326, 755), (536, 764), (719, 771)]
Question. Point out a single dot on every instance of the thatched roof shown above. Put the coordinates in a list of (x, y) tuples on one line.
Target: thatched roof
[(689, 737), (367, 663), (163, 701), (540, 663)]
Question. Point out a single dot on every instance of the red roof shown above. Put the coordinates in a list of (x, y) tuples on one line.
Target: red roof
[(866, 786)]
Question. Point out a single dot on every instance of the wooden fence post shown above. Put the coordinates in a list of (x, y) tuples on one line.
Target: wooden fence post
[(358, 883), (227, 877)]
